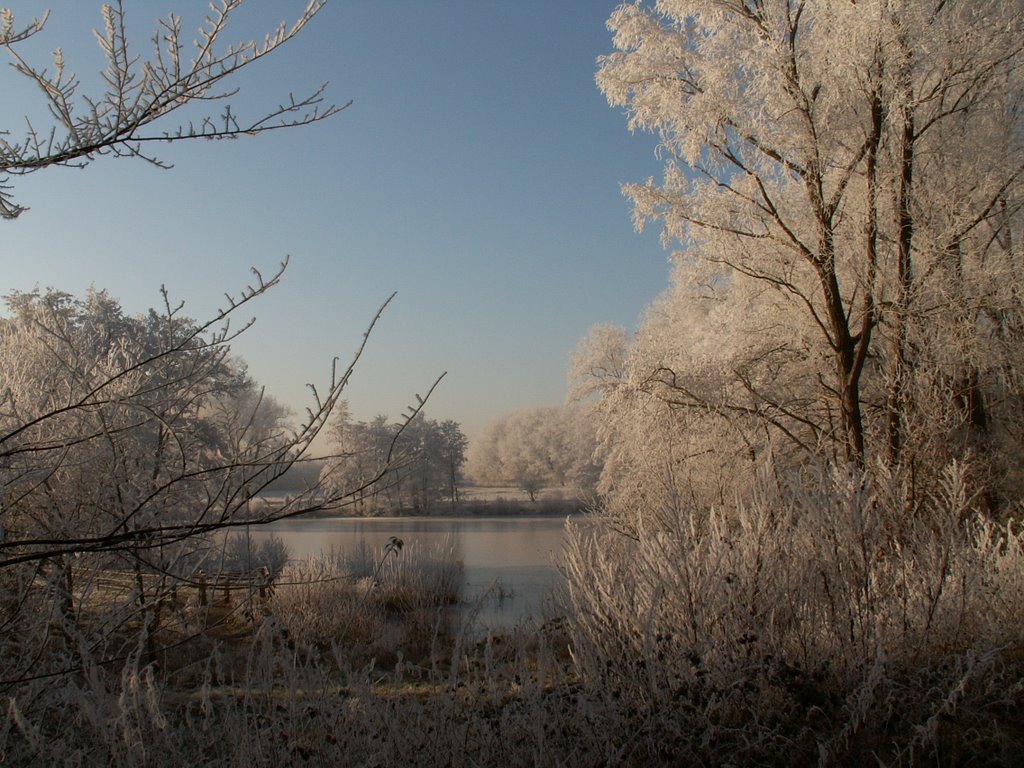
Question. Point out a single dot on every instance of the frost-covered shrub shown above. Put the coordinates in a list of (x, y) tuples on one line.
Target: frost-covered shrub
[(475, 703), (822, 613), (422, 577)]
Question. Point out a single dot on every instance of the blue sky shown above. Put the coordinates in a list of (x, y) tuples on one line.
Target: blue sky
[(476, 173)]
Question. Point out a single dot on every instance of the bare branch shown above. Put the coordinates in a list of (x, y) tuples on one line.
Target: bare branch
[(140, 93)]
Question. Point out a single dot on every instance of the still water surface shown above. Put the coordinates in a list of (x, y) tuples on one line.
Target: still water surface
[(520, 555)]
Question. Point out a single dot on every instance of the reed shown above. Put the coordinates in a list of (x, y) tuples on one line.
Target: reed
[(819, 620), (357, 596)]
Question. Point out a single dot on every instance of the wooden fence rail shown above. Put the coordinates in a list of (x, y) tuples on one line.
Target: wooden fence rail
[(206, 586)]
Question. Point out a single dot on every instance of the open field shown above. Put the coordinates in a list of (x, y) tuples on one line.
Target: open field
[(511, 493)]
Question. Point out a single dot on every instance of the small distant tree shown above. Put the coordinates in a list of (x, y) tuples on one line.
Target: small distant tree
[(124, 120), (423, 457), (453, 447), (533, 448)]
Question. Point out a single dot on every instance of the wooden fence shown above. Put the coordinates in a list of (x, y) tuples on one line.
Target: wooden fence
[(209, 588)]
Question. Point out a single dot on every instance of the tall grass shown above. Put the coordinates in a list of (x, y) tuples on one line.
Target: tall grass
[(357, 597), (821, 620)]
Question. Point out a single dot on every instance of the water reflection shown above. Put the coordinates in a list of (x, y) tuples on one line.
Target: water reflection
[(510, 563)]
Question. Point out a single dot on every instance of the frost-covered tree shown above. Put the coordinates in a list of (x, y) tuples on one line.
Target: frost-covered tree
[(453, 444), (99, 424), (790, 526), (129, 440), (128, 117), (533, 448), (410, 464), (127, 445), (846, 179), (677, 422)]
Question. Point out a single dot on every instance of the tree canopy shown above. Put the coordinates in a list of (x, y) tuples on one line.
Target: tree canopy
[(419, 461), (845, 183), (534, 448)]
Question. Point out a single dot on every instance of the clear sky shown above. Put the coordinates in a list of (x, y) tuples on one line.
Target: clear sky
[(476, 173)]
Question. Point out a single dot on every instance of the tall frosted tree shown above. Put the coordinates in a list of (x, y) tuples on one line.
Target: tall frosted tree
[(127, 444), (787, 509), (856, 168)]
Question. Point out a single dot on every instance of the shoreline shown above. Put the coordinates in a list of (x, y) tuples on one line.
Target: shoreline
[(499, 506)]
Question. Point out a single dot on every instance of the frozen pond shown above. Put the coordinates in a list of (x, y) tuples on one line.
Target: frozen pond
[(513, 559)]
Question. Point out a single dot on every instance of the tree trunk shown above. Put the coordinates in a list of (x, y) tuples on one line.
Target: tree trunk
[(898, 394), (845, 347)]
